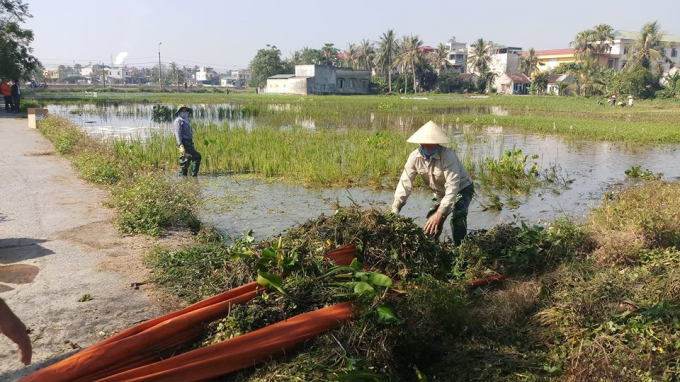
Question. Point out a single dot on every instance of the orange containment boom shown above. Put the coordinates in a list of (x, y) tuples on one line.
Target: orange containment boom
[(243, 351), (142, 344)]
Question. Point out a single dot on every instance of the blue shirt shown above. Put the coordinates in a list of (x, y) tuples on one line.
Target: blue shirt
[(183, 130)]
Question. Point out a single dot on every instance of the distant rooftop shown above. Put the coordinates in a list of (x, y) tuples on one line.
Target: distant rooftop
[(628, 35), (282, 76), (554, 52)]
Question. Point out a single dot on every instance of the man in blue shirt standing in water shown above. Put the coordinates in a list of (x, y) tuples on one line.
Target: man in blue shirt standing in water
[(185, 141)]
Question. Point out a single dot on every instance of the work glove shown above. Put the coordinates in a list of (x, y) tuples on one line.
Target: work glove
[(395, 210), (182, 151)]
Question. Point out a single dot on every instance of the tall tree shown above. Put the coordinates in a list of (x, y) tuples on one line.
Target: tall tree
[(330, 52), (266, 63), (479, 57), (366, 55), (603, 35), (646, 51), (529, 63), (414, 56), (352, 53), (386, 55), (441, 58), (311, 56), (16, 54)]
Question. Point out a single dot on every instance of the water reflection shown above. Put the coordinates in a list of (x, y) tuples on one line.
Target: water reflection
[(236, 204)]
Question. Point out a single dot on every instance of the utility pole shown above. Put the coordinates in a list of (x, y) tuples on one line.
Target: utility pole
[(160, 70)]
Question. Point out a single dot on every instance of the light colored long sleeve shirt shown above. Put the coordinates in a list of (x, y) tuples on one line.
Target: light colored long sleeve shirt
[(182, 129), (443, 173)]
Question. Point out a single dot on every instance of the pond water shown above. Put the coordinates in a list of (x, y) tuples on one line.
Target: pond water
[(236, 204)]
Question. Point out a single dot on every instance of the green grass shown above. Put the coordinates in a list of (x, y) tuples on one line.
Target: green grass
[(146, 200)]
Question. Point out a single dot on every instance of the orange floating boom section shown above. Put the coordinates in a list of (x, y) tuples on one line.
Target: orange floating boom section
[(240, 352)]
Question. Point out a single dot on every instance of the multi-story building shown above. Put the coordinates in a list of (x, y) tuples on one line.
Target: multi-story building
[(551, 58), (457, 54), (623, 42), (205, 74)]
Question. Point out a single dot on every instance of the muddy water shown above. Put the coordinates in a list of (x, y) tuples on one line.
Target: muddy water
[(589, 169), (237, 204)]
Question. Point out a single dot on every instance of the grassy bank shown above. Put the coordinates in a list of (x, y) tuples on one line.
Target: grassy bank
[(598, 301), (147, 201)]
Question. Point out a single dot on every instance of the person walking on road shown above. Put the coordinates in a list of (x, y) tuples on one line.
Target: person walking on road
[(185, 141), (444, 174), (16, 96), (6, 91)]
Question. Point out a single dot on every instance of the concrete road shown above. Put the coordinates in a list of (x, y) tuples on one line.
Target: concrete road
[(57, 244)]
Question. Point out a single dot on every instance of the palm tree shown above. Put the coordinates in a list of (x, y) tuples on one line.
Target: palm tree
[(441, 58), (646, 51), (529, 64), (330, 52), (480, 56), (352, 54), (582, 44), (366, 55), (603, 34), (386, 54)]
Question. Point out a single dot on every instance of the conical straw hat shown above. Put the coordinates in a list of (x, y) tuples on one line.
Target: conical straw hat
[(430, 133)]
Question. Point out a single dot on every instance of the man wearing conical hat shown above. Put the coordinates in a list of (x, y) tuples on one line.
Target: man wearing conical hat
[(443, 172), (184, 135)]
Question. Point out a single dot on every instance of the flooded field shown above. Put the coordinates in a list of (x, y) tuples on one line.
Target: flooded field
[(580, 172)]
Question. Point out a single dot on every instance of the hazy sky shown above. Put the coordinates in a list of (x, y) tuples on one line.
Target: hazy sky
[(227, 34)]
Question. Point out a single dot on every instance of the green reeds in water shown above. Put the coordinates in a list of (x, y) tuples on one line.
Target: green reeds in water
[(321, 157)]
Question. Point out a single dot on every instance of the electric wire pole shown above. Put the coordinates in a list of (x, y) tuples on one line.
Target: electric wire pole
[(160, 70)]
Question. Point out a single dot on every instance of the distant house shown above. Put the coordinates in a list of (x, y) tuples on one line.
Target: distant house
[(426, 49), (550, 59), (554, 81), (205, 74), (457, 54), (320, 79), (471, 77), (513, 83)]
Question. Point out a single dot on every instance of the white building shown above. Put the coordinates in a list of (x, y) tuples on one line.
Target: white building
[(624, 40), (320, 79), (504, 59), (457, 55), (205, 74)]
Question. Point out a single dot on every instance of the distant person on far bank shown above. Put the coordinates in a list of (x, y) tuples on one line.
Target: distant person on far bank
[(630, 100), (185, 141), (444, 174), (16, 96), (6, 91)]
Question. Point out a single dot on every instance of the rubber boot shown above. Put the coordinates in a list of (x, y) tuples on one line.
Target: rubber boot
[(459, 226), (183, 165)]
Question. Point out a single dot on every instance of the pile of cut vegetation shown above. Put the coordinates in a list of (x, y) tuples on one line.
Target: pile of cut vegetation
[(565, 312)]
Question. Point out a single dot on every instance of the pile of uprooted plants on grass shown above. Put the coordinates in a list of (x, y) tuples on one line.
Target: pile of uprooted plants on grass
[(598, 301)]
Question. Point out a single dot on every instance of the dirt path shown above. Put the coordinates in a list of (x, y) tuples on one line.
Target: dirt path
[(57, 244)]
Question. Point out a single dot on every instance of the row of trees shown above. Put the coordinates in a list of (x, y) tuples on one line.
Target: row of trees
[(400, 62), (641, 73)]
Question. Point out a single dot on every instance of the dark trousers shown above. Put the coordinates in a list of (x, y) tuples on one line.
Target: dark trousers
[(16, 101), (458, 215), (9, 105), (191, 156)]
